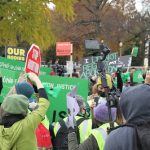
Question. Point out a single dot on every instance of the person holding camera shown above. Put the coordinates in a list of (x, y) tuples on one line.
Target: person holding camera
[(17, 126), (100, 120), (97, 136)]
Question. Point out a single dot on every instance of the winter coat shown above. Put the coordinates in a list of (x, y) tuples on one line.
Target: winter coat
[(88, 144), (91, 143), (21, 135), (135, 106)]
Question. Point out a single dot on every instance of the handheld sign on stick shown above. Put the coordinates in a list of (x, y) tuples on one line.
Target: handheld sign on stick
[(33, 60)]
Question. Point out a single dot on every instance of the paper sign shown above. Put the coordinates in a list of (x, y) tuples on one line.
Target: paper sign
[(72, 105)]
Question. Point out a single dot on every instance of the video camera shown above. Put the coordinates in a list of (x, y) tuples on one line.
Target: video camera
[(95, 48)]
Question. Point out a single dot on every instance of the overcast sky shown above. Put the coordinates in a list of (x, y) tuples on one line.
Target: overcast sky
[(138, 5)]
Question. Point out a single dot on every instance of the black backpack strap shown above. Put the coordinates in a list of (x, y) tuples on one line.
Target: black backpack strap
[(79, 121), (63, 126), (62, 123)]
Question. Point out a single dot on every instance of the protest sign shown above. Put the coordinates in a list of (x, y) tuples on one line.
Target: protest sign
[(58, 106), (125, 77), (72, 105), (63, 49), (89, 65), (69, 67), (33, 61), (10, 78), (15, 65), (15, 53), (11, 64), (45, 71), (61, 86), (124, 61), (134, 52), (138, 77)]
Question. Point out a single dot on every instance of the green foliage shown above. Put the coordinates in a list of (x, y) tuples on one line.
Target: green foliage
[(30, 21), (66, 7)]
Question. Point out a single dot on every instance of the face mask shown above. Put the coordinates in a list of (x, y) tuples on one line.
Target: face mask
[(102, 94)]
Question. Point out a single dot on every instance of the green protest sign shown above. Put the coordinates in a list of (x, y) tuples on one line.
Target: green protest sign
[(135, 51), (9, 77), (9, 80), (11, 64), (138, 77), (57, 97), (58, 108), (11, 70), (125, 77), (19, 66), (45, 71)]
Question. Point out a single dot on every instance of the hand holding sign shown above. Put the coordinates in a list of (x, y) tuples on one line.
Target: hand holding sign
[(33, 78)]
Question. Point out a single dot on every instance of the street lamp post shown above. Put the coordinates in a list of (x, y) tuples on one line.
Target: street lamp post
[(120, 48)]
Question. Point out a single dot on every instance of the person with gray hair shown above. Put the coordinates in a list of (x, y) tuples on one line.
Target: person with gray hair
[(59, 131)]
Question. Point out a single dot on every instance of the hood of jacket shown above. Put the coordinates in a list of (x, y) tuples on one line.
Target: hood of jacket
[(135, 103), (8, 136)]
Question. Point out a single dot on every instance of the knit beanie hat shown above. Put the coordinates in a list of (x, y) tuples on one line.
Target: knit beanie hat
[(101, 112), (108, 79), (15, 104), (25, 89)]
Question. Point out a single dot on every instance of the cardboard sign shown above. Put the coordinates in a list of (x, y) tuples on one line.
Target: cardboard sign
[(33, 60), (63, 49), (15, 53)]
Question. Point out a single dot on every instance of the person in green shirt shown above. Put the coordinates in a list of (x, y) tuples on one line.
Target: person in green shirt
[(17, 126)]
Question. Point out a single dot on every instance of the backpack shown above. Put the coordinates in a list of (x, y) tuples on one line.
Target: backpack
[(61, 140), (142, 135), (43, 137)]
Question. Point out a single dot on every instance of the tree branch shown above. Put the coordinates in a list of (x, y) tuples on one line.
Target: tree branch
[(87, 22), (103, 4), (98, 3), (88, 9)]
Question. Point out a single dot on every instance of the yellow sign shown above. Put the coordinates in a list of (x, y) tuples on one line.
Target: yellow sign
[(16, 53)]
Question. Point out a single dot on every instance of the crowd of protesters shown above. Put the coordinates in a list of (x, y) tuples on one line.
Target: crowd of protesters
[(118, 117)]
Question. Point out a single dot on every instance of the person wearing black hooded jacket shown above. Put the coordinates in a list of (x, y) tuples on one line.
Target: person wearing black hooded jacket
[(135, 106)]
